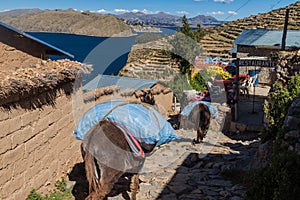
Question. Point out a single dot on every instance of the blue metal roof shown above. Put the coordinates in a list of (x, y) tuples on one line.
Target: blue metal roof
[(102, 81), (35, 39), (265, 37), (233, 50)]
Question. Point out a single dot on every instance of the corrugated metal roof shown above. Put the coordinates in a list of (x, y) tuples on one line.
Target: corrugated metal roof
[(233, 50), (102, 81), (265, 37), (36, 39)]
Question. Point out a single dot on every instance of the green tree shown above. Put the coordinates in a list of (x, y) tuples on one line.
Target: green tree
[(186, 29)]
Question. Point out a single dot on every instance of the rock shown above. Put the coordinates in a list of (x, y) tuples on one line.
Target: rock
[(211, 192), (219, 183), (292, 135), (168, 196), (241, 127), (218, 165), (229, 157), (292, 123), (235, 198), (254, 128), (70, 184), (180, 178), (237, 187), (213, 171), (209, 165), (179, 189), (297, 148), (197, 166), (225, 193), (262, 155)]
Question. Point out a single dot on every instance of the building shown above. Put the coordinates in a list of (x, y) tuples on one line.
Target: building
[(262, 42), (29, 44)]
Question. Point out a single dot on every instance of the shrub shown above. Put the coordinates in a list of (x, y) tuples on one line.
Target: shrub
[(279, 181), (275, 110), (199, 79), (59, 193)]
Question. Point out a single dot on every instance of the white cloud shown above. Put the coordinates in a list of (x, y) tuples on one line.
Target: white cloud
[(121, 10), (216, 13), (232, 12), (224, 1), (199, 0), (4, 10), (101, 11), (145, 11), (182, 12)]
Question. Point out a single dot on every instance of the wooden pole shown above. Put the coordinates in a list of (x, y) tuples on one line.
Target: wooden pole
[(237, 91), (286, 22)]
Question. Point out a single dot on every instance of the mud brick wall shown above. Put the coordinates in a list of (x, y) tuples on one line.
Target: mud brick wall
[(37, 146)]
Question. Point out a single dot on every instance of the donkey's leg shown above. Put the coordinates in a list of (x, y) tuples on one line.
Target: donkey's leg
[(134, 186), (199, 136), (109, 177)]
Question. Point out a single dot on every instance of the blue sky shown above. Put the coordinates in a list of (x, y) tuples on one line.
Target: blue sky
[(220, 9)]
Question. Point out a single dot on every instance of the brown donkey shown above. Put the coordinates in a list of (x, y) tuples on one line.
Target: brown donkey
[(198, 119), (107, 156)]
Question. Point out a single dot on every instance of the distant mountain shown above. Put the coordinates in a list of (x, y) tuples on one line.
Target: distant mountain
[(18, 12), (204, 21), (65, 21), (162, 18)]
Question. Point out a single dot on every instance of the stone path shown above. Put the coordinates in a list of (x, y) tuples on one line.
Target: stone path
[(180, 170)]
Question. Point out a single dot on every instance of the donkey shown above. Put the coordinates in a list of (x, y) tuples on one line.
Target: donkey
[(107, 156), (199, 119)]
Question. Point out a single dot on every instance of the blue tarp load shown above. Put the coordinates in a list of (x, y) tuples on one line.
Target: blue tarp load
[(143, 122), (212, 109)]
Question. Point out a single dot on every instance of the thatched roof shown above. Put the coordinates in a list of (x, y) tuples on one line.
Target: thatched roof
[(22, 73)]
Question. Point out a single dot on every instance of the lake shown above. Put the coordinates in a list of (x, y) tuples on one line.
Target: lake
[(108, 55)]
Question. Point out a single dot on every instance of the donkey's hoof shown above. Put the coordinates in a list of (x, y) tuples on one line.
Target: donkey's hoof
[(196, 141)]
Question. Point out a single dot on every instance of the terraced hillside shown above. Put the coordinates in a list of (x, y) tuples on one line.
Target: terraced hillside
[(151, 63), (219, 39)]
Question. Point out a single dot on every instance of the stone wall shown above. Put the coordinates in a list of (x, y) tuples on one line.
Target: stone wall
[(37, 144), (292, 125)]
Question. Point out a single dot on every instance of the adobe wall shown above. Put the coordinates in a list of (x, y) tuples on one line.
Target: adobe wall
[(37, 143)]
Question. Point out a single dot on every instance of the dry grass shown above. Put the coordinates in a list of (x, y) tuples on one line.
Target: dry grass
[(68, 21)]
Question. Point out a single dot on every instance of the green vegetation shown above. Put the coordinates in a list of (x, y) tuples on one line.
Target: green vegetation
[(178, 85), (276, 109), (198, 82), (199, 79), (186, 47), (59, 193), (280, 179)]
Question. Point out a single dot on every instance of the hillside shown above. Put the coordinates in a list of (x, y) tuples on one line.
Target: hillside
[(162, 18), (65, 21), (219, 39)]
